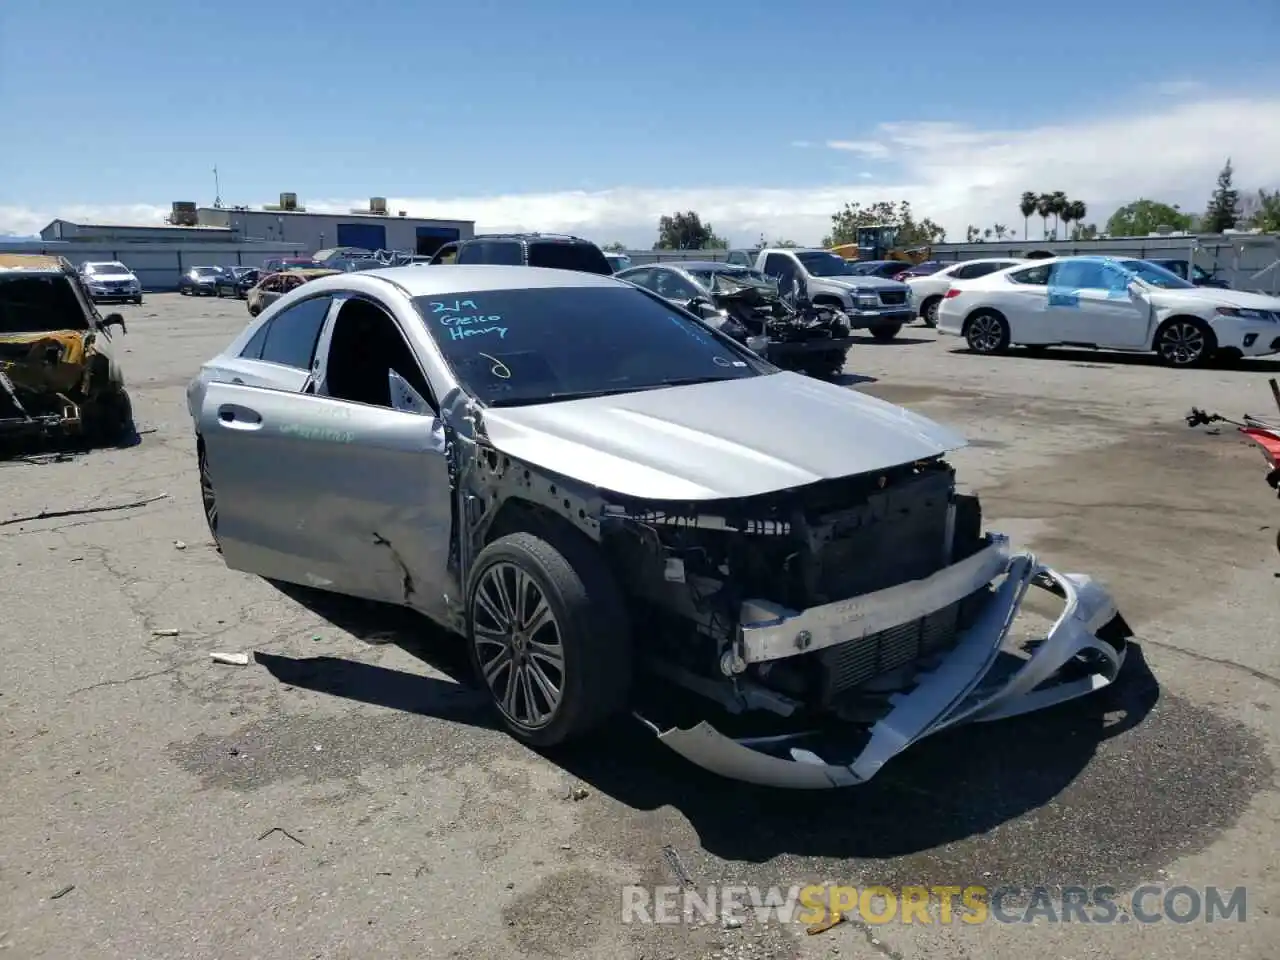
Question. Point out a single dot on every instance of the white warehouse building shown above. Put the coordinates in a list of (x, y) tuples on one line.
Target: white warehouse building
[(289, 223)]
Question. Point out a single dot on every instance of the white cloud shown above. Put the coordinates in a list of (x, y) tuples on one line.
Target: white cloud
[(955, 174), (871, 149)]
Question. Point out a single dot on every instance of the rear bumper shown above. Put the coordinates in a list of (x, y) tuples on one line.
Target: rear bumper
[(982, 678)]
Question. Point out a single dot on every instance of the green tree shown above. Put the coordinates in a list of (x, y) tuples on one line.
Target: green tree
[(1223, 212), (1027, 206), (1076, 212), (686, 231), (616, 247), (1000, 230), (911, 232), (1141, 217), (1267, 216)]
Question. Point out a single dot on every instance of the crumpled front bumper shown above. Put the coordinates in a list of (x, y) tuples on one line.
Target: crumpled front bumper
[(975, 681)]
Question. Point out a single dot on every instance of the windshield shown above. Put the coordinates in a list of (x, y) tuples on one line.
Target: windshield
[(39, 305), (107, 269), (1155, 276), (518, 347), (205, 271), (822, 264)]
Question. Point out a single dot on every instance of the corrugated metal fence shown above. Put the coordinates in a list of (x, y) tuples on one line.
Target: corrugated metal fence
[(158, 265)]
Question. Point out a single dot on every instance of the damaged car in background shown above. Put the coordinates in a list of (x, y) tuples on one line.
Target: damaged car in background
[(623, 511), (745, 304), (58, 376)]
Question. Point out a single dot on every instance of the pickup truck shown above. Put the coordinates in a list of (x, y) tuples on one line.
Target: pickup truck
[(823, 278)]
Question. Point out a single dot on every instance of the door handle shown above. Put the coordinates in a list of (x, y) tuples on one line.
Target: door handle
[(238, 417), (236, 380)]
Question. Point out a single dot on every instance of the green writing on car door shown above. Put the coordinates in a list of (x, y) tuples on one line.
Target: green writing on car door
[(325, 434)]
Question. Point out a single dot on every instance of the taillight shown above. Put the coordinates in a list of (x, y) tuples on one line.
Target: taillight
[(951, 292)]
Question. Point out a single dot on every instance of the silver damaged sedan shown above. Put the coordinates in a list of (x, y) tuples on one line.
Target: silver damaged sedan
[(623, 511)]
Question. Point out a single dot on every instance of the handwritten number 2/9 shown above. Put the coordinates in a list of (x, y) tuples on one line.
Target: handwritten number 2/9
[(499, 369), (456, 307)]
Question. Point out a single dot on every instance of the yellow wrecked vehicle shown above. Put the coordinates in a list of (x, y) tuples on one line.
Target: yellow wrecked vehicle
[(58, 377)]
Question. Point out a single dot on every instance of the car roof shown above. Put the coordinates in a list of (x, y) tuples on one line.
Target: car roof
[(448, 278), (31, 263)]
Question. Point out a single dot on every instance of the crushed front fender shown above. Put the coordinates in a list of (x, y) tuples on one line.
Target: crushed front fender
[(978, 680)]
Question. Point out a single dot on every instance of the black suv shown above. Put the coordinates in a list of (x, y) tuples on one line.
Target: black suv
[(557, 251)]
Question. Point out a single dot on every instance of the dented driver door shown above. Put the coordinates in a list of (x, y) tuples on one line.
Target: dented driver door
[(331, 494)]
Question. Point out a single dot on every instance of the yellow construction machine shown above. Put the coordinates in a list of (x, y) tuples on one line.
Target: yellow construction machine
[(880, 242)]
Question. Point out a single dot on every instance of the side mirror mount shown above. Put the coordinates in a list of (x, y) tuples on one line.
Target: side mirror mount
[(112, 320)]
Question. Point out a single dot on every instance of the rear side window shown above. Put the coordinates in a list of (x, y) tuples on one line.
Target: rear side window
[(291, 339), (975, 270), (583, 257), (507, 252), (253, 349), (1036, 276)]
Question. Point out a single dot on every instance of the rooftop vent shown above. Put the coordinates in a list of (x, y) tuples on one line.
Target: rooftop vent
[(378, 205), (182, 214), (288, 204)]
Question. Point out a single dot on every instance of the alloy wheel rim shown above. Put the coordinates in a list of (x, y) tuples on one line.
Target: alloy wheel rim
[(207, 496), (984, 334), (1182, 343), (518, 646)]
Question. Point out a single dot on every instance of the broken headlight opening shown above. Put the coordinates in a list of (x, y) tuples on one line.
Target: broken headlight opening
[(824, 629)]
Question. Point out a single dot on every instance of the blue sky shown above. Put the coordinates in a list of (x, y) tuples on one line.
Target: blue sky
[(132, 104)]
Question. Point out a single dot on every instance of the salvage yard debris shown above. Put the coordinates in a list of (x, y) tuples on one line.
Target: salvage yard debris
[(54, 514), (57, 373)]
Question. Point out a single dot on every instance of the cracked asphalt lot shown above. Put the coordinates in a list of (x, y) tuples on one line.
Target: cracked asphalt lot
[(344, 795)]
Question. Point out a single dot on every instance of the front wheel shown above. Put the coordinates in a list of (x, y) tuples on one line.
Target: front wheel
[(885, 334), (254, 309), (987, 333), (1184, 342), (548, 636)]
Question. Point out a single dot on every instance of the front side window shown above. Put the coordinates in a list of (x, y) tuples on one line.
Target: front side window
[(1154, 276), (519, 347), (1079, 275), (292, 336)]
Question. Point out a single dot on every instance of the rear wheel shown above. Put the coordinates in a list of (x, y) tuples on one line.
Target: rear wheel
[(207, 497), (930, 311), (1184, 342), (886, 333), (254, 309), (548, 637), (987, 332)]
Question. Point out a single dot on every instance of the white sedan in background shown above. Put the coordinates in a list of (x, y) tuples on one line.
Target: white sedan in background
[(1109, 303), (927, 291)]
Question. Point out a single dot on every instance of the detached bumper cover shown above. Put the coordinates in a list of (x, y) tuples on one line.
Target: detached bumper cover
[(978, 680)]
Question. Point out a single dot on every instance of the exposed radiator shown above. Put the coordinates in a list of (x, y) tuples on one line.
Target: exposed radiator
[(851, 664)]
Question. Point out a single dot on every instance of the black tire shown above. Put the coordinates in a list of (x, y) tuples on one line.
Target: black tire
[(929, 311), (987, 332), (591, 629), (254, 309), (1184, 342), (138, 300), (886, 333), (208, 498), (109, 422), (184, 291)]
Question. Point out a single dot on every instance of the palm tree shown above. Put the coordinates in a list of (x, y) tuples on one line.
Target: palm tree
[(1064, 215), (1000, 230), (1060, 201), (1078, 211), (1027, 205), (986, 234), (972, 233), (1044, 207)]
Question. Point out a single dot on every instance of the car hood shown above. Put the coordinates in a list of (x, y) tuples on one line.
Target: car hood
[(1227, 298), (712, 441), (868, 282)]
